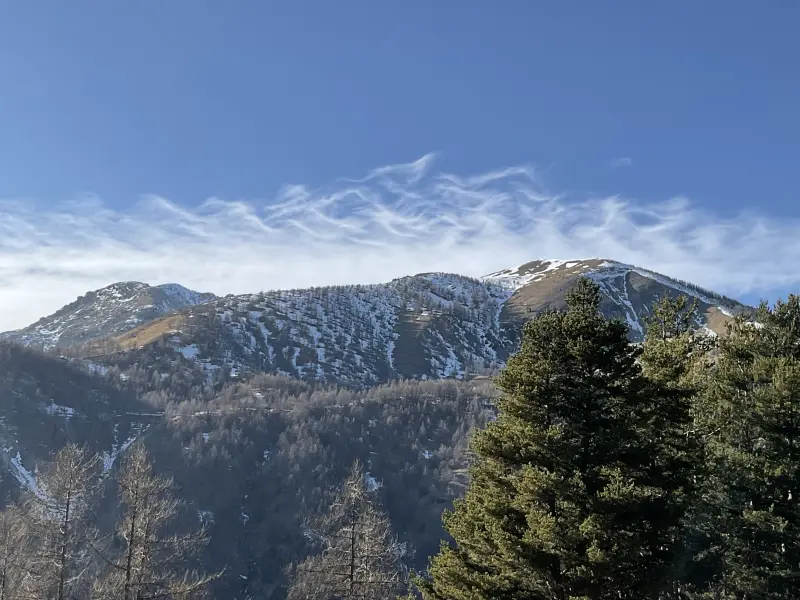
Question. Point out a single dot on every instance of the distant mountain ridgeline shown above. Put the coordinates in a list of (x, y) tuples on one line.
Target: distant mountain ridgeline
[(426, 326)]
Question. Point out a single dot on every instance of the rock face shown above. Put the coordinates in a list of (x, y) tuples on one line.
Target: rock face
[(106, 312), (426, 326)]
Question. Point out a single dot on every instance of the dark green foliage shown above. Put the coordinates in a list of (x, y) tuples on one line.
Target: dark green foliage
[(253, 460), (676, 356), (570, 496), (748, 415)]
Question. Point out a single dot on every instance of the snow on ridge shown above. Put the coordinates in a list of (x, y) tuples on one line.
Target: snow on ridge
[(113, 309), (184, 295), (109, 458), (620, 297), (372, 483), (512, 278), (190, 352), (95, 369), (611, 276), (614, 269)]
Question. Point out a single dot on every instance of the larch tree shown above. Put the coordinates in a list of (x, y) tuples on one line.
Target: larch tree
[(58, 519), (358, 556), (15, 568), (150, 560), (570, 498)]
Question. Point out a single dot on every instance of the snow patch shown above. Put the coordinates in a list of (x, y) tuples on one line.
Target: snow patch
[(206, 517), (58, 410), (110, 457), (371, 483), (25, 478), (190, 352)]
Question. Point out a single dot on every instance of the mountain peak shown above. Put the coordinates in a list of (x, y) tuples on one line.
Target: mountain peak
[(187, 296), (110, 310), (628, 291), (536, 270)]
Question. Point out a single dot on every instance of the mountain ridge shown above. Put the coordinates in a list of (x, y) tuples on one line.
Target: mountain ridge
[(113, 309), (425, 326)]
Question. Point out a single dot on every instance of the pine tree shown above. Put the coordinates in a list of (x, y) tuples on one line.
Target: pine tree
[(675, 355), (672, 346), (749, 414), (569, 498)]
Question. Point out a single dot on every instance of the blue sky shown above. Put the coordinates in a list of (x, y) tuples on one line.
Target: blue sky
[(661, 134)]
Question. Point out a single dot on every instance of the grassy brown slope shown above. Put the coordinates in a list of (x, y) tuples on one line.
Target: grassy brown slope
[(549, 291), (545, 293), (150, 332)]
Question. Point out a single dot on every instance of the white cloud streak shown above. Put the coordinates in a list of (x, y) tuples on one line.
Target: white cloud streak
[(398, 220), (622, 162)]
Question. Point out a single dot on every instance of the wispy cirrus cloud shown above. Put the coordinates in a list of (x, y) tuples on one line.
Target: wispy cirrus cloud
[(396, 220), (621, 162)]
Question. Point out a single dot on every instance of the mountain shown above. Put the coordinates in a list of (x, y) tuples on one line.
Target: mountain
[(257, 404), (427, 326), (106, 312), (628, 291)]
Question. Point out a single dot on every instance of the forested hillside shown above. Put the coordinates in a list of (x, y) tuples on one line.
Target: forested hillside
[(254, 460), (590, 468)]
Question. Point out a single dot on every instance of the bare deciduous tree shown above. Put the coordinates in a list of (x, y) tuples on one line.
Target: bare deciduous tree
[(57, 513), (14, 556), (359, 557), (150, 562)]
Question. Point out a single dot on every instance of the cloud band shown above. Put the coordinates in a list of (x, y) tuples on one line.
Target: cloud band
[(397, 220)]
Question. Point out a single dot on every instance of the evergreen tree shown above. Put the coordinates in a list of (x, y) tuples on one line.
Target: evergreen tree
[(569, 497), (672, 346), (675, 355), (748, 414)]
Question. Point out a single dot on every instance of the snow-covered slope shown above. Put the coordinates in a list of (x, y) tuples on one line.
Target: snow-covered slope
[(427, 326), (108, 311), (432, 325), (629, 292)]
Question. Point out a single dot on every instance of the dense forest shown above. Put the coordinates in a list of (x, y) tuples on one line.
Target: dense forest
[(253, 461), (598, 469)]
